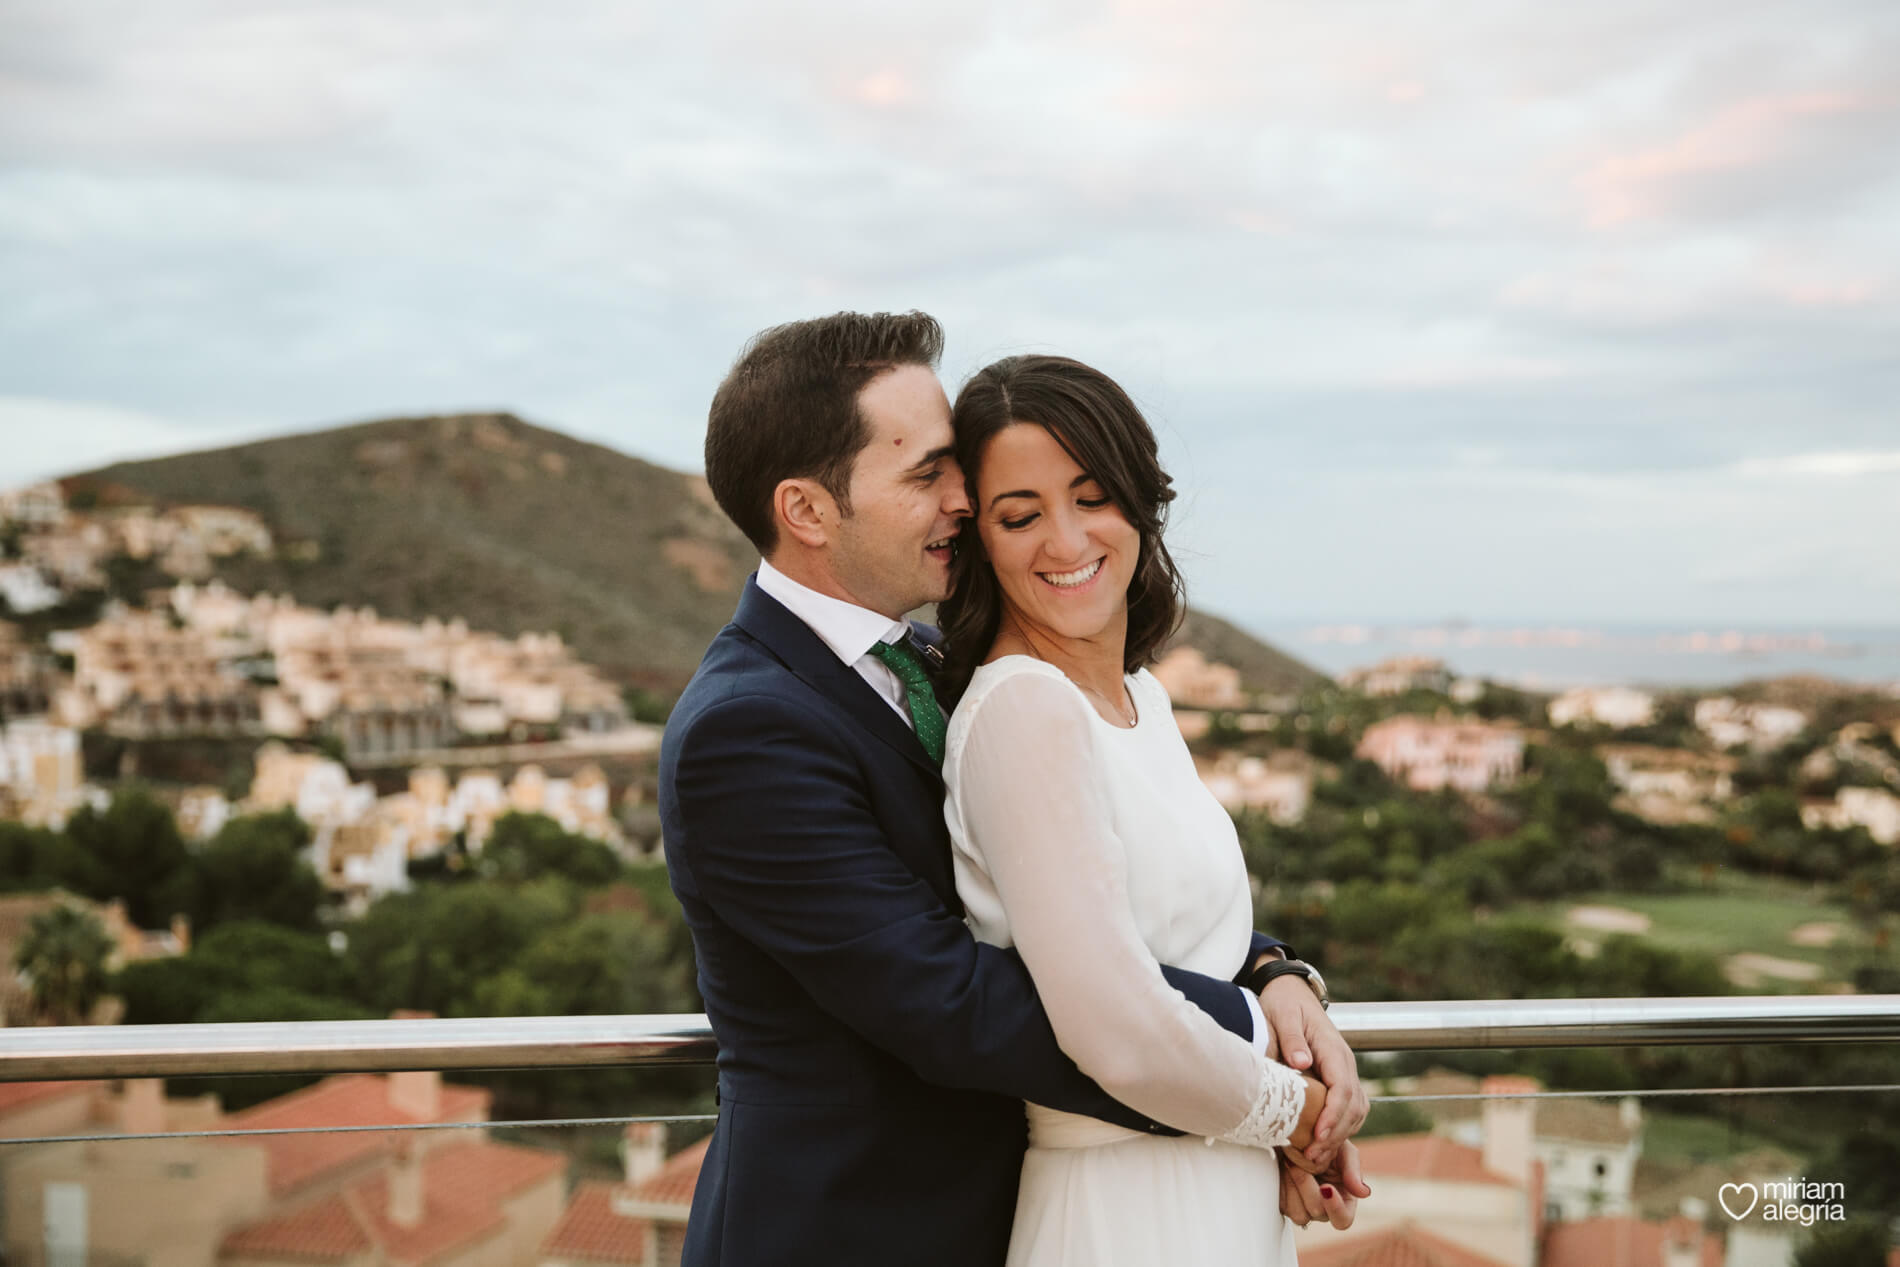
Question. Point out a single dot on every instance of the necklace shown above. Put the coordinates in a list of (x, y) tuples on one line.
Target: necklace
[(1114, 706), (1127, 715)]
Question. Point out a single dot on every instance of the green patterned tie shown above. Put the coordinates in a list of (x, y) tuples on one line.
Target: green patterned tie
[(925, 716)]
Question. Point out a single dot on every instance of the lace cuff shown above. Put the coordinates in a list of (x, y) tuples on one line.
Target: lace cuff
[(1276, 1108)]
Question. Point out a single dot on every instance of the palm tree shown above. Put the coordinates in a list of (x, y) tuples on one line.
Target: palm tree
[(64, 955)]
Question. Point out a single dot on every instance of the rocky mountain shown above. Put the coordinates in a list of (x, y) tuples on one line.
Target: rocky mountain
[(512, 526)]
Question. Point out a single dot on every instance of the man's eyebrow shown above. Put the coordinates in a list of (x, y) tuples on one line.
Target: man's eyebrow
[(937, 454), (1077, 482)]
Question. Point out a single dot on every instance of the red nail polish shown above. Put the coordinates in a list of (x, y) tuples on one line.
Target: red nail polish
[(1326, 1190)]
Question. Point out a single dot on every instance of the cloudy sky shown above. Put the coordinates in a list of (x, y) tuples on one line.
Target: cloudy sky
[(1504, 311)]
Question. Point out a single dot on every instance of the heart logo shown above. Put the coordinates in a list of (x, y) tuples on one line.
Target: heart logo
[(1738, 1189)]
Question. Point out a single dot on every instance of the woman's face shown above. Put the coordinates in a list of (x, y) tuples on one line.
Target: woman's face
[(1062, 551)]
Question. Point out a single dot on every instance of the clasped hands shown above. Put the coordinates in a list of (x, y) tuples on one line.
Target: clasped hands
[(1319, 1177)]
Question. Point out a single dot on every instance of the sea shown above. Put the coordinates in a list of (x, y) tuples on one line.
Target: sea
[(1558, 656)]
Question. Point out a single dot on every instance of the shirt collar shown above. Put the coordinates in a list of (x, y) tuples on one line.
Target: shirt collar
[(849, 630)]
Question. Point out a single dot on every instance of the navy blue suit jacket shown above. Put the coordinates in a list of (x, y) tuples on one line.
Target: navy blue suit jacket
[(873, 1057)]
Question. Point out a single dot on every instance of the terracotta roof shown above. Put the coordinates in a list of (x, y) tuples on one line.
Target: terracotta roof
[(347, 1100), (478, 1172), (591, 1231), (1510, 1084), (673, 1183), (1406, 1245), (1436, 1081), (463, 1186), (1426, 1156), (1620, 1242), (446, 1223), (325, 1229), (17, 1095)]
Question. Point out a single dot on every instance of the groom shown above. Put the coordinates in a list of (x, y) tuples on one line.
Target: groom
[(873, 1056)]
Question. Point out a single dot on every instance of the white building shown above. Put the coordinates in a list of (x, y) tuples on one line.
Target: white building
[(1399, 675), (1730, 723), (1618, 707), (1669, 785), (1480, 1197), (25, 590), (41, 775), (1280, 785), (1876, 809), (1428, 754), (36, 506), (1588, 1149), (1192, 682)]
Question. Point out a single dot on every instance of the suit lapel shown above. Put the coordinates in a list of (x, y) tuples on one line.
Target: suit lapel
[(805, 654)]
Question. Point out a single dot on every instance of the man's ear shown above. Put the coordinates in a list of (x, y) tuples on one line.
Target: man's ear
[(805, 511)]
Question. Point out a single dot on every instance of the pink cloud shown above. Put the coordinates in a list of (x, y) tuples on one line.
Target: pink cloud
[(883, 88), (1621, 188)]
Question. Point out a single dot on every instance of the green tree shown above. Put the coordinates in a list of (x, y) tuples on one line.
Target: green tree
[(1868, 1164), (173, 991), (1632, 967), (246, 966), (1855, 1243), (139, 855), (612, 963), (431, 947), (64, 955), (253, 869), (33, 858), (529, 846)]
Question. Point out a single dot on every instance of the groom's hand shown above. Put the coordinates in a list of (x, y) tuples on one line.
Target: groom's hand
[(1308, 1040)]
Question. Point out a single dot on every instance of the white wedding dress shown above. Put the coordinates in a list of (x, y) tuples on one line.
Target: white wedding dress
[(1097, 852)]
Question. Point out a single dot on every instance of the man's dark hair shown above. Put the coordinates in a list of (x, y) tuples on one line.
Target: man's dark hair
[(1102, 429), (788, 408)]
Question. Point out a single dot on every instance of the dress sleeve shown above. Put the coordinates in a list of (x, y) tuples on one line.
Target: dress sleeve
[(1030, 795)]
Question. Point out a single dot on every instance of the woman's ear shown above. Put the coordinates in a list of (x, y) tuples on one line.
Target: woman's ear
[(805, 512)]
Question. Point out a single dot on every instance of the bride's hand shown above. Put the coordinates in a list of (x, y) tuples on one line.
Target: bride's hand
[(1302, 1136), (1332, 1197)]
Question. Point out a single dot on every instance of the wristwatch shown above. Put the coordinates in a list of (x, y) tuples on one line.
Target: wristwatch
[(1257, 979)]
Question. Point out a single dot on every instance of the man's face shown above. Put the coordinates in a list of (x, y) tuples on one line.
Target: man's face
[(892, 552)]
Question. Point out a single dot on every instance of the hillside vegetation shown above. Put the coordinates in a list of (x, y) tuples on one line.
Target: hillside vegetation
[(512, 526)]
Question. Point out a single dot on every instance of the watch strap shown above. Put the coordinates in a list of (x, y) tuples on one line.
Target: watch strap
[(1258, 979)]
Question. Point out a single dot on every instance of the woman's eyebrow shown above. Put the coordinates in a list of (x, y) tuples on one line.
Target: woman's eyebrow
[(1077, 482)]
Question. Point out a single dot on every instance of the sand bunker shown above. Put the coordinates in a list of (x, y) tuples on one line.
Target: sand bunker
[(1748, 969), (1819, 934), (1608, 919)]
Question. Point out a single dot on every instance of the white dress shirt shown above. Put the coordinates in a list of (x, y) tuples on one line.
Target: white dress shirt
[(851, 631)]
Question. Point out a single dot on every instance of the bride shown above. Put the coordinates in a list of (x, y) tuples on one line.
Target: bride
[(1084, 838)]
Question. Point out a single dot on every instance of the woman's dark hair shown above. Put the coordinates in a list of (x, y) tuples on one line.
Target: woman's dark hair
[(1098, 426), (788, 408)]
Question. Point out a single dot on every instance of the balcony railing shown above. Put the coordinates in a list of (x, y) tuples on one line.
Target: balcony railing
[(98, 1173), (542, 1042)]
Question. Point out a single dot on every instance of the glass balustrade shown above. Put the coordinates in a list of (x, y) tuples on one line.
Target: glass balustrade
[(1746, 1152)]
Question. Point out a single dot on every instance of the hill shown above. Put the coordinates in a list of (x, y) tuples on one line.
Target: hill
[(512, 526), (1263, 667)]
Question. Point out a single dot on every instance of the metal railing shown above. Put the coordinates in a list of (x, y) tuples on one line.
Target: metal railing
[(538, 1042)]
